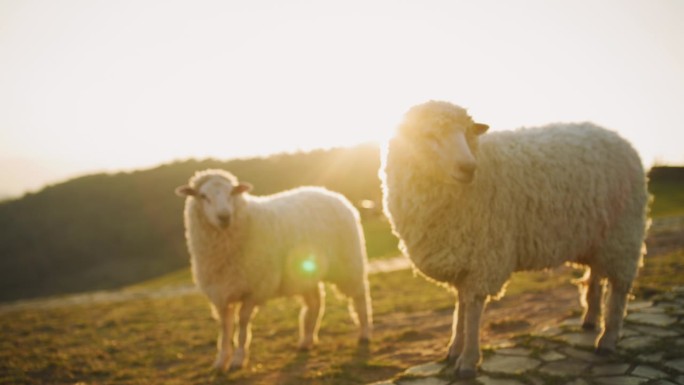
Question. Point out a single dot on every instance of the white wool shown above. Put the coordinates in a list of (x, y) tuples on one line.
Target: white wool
[(261, 253), (540, 197)]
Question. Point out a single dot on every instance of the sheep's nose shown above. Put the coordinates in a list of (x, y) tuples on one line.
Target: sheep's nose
[(467, 168), (464, 172), (224, 220)]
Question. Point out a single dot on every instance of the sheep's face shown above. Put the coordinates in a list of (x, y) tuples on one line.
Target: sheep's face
[(445, 137), (454, 152), (217, 198)]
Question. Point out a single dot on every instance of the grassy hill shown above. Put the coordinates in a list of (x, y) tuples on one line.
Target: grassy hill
[(109, 230)]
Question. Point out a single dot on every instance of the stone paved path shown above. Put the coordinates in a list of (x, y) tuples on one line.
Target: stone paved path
[(650, 352)]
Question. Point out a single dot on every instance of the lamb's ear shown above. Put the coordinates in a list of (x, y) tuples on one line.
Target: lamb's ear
[(480, 128), (242, 187), (185, 190)]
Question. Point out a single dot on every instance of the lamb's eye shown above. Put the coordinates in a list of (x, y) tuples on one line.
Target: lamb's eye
[(204, 197)]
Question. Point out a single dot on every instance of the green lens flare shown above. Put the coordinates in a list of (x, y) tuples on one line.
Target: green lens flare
[(309, 266)]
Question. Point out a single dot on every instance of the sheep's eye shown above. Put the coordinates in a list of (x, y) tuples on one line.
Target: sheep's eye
[(204, 197)]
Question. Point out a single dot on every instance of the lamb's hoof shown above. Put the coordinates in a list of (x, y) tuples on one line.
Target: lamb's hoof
[(217, 369), (218, 366), (451, 359), (235, 367), (364, 341), (589, 326), (305, 347), (601, 351), (466, 374)]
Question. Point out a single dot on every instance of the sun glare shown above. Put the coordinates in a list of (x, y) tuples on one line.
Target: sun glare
[(309, 266)]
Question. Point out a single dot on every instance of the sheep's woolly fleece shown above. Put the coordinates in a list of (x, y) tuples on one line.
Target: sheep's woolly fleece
[(540, 197)]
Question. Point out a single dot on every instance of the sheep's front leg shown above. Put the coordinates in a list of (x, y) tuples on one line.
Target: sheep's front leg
[(225, 339), (466, 365), (241, 354), (310, 317), (456, 344), (591, 292)]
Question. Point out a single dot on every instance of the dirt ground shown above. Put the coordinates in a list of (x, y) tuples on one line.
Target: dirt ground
[(512, 315), (410, 328)]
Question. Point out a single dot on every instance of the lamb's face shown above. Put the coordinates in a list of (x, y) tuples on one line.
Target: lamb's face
[(217, 199)]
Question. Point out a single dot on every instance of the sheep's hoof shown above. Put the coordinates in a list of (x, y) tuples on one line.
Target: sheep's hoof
[(364, 341), (451, 359), (235, 367), (589, 326), (602, 351), (466, 374)]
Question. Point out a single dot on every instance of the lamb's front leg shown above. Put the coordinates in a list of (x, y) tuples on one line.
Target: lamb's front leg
[(466, 365), (456, 344), (241, 354), (226, 317)]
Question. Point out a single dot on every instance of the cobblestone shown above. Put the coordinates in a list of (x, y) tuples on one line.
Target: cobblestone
[(650, 352)]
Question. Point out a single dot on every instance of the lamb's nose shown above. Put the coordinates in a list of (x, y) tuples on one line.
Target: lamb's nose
[(224, 220)]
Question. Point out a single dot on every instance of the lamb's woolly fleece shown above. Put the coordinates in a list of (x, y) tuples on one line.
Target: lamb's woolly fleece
[(261, 253), (540, 197)]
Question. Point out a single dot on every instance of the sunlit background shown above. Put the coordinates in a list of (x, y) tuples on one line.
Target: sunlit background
[(89, 86)]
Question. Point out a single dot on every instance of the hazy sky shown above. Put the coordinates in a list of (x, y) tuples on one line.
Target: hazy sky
[(88, 85)]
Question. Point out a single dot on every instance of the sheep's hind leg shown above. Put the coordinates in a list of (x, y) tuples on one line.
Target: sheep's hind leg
[(456, 343), (241, 354), (466, 364), (591, 291), (615, 312), (225, 340), (310, 316)]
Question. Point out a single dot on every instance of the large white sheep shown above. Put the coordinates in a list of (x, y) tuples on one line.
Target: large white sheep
[(470, 209), (247, 249)]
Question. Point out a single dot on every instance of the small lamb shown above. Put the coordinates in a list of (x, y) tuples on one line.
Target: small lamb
[(247, 249)]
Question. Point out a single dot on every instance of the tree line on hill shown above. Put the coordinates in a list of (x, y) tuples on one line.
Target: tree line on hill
[(104, 231), (107, 230)]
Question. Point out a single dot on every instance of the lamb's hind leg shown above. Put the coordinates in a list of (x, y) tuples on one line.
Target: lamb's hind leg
[(310, 316), (364, 314), (241, 354), (591, 291)]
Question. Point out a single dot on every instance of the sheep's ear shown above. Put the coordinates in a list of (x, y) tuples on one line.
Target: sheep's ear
[(241, 188), (480, 128), (185, 190)]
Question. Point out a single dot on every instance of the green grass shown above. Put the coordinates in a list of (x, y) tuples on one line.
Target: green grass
[(172, 340), (660, 274), (380, 242), (668, 198)]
